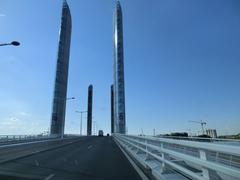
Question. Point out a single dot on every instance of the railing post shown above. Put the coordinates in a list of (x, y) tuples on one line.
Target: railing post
[(145, 142), (163, 163), (204, 170), (146, 149)]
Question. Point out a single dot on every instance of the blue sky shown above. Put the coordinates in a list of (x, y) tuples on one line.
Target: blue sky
[(181, 63)]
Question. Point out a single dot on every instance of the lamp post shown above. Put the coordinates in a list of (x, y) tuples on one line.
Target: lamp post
[(65, 99), (95, 127), (81, 120), (13, 43), (70, 98)]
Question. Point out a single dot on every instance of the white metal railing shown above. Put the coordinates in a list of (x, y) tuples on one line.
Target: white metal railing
[(17, 138), (181, 159), (200, 139)]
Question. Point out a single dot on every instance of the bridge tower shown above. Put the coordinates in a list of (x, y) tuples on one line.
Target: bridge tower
[(112, 110), (61, 78), (89, 112), (119, 90)]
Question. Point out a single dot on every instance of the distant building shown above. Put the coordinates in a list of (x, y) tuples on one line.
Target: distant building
[(118, 85), (61, 78), (212, 133)]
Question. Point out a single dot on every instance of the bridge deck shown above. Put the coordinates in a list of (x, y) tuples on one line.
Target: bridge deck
[(89, 158)]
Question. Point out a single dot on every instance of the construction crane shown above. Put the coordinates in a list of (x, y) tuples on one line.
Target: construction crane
[(202, 124)]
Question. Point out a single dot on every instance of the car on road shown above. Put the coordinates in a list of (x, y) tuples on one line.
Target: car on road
[(100, 133)]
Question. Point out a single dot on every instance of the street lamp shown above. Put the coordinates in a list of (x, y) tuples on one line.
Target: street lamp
[(95, 127), (13, 43), (70, 98), (81, 120), (64, 99)]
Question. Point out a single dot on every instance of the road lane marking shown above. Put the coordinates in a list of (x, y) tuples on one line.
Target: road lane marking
[(49, 177), (89, 147), (36, 163)]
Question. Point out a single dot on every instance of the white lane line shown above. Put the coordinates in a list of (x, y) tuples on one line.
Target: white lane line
[(37, 163), (49, 177), (76, 162), (89, 147)]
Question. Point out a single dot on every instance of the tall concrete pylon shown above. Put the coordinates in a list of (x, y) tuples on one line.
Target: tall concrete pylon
[(112, 109), (61, 78), (118, 86), (89, 112)]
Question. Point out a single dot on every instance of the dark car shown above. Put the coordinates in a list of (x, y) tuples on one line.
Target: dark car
[(100, 133)]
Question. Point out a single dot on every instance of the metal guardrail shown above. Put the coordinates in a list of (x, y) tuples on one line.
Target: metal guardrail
[(17, 138), (182, 159), (199, 139)]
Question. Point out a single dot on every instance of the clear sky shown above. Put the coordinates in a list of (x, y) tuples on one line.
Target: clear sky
[(182, 62)]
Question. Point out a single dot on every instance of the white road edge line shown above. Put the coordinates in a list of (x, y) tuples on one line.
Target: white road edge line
[(49, 177), (139, 171)]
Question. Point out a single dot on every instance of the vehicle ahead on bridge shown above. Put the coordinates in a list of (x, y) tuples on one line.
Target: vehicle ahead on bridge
[(100, 133)]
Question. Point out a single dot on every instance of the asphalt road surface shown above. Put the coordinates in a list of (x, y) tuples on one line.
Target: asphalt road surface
[(89, 158)]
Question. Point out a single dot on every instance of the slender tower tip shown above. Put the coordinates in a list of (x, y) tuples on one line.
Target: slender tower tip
[(118, 3), (65, 3)]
